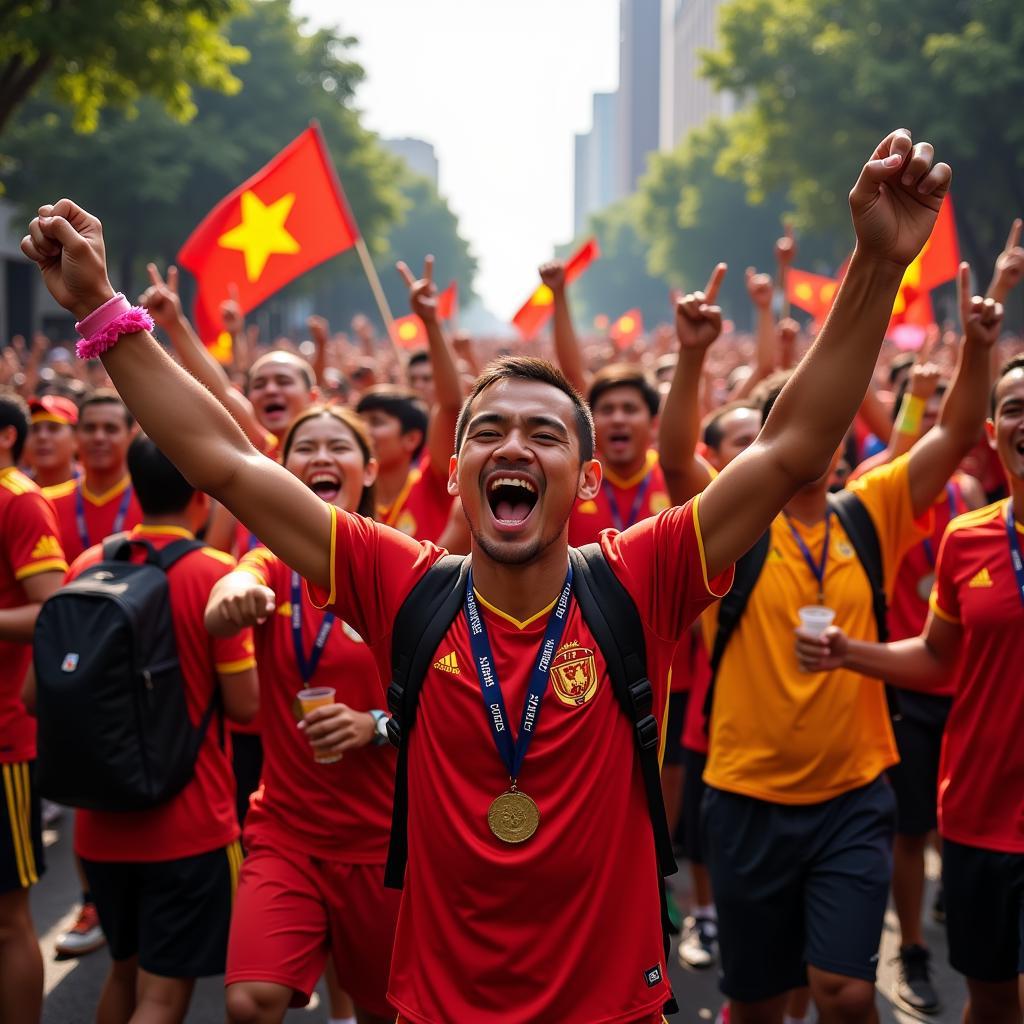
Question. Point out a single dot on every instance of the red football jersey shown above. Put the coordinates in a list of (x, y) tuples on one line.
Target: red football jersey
[(336, 811), (565, 926), (28, 545), (421, 510), (981, 773), (104, 514), (695, 732), (202, 816)]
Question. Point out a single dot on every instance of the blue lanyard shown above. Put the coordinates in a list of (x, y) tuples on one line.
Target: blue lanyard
[(83, 530), (513, 752), (253, 542), (1015, 555), (307, 668), (929, 551), (634, 512), (817, 568)]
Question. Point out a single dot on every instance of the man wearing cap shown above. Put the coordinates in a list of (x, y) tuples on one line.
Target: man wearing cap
[(50, 451)]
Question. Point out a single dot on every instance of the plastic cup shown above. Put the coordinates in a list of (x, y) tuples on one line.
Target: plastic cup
[(317, 697), (815, 619)]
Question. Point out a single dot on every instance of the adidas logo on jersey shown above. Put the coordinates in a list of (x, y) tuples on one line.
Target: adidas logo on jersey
[(47, 547), (980, 579), (449, 663)]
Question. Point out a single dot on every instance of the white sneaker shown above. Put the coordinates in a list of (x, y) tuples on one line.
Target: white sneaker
[(84, 936), (698, 948)]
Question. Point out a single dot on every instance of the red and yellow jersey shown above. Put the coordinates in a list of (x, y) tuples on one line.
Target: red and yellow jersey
[(104, 514), (473, 904), (981, 774), (336, 811), (790, 737), (202, 816), (421, 509), (620, 503), (29, 545)]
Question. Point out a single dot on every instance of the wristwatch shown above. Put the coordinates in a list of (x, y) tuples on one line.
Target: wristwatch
[(380, 728)]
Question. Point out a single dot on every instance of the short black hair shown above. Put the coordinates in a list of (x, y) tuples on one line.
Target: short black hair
[(1016, 363), (105, 396), (405, 406), (14, 413), (713, 432), (530, 368), (283, 355), (624, 375), (421, 355), (767, 392), (158, 485)]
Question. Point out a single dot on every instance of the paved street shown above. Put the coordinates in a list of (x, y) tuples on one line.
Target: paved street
[(72, 986)]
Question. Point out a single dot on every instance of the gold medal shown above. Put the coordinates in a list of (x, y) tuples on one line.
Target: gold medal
[(924, 586), (513, 817)]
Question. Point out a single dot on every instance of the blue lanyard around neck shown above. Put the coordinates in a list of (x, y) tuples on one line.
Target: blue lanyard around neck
[(638, 500), (83, 529), (1015, 554), (307, 667), (817, 568)]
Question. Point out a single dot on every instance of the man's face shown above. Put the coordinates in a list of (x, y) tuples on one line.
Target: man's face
[(624, 427), (103, 437), (391, 447), (739, 428), (519, 471), (50, 445), (421, 380), (278, 392), (1006, 433)]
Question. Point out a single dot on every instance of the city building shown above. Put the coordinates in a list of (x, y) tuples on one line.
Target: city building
[(639, 89), (595, 162), (419, 155)]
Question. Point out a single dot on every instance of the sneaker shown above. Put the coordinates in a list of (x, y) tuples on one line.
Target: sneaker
[(698, 947), (939, 906), (84, 936), (914, 989), (51, 813)]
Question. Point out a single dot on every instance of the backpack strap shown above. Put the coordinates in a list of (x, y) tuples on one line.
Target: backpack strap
[(173, 552), (420, 625), (731, 609)]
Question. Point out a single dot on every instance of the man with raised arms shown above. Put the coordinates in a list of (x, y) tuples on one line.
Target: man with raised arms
[(490, 931)]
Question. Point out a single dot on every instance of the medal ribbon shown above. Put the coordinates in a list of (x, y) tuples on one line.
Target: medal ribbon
[(634, 512), (307, 668), (817, 569), (1015, 554), (513, 752), (929, 551), (83, 530)]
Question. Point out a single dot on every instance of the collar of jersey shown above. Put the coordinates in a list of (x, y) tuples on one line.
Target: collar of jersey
[(508, 618), (162, 531), (388, 514), (101, 499), (624, 485)]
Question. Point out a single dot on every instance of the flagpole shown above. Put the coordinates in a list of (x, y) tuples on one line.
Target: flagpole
[(378, 293)]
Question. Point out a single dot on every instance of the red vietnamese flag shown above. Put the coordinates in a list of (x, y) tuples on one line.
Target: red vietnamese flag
[(409, 332), (936, 263), (286, 219), (812, 293), (448, 302), (627, 328), (537, 310)]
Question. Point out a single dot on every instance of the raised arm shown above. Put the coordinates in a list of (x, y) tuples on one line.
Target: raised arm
[(567, 345), (188, 424), (934, 459), (894, 204), (1009, 265), (447, 384), (679, 423), (759, 288)]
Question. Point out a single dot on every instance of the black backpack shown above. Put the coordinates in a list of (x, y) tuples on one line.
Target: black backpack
[(611, 615), (114, 730), (860, 529)]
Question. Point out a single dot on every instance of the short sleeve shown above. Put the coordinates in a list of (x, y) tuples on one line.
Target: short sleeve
[(233, 654), (661, 562), (373, 568), (944, 600), (885, 492), (31, 537), (258, 563)]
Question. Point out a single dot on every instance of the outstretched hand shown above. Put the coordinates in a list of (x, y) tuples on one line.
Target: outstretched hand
[(66, 243), (422, 291), (897, 198), (698, 319), (982, 318)]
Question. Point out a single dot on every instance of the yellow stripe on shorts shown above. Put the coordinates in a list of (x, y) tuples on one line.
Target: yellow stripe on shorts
[(234, 852), (13, 814)]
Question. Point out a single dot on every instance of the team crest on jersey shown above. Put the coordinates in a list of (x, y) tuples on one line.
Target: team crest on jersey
[(406, 523), (574, 674), (659, 502), (587, 508), (844, 550)]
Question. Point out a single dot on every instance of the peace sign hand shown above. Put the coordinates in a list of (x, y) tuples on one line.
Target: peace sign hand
[(422, 292), (982, 318), (698, 319), (1010, 262), (161, 297)]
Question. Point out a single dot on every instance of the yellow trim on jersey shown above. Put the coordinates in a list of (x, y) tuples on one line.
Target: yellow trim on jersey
[(47, 565), (389, 514), (251, 570), (700, 548), (933, 603), (229, 668), (505, 615), (979, 516), (624, 485), (60, 490), (234, 855), (163, 531), (15, 481), (332, 595), (18, 792), (664, 721), (102, 499), (218, 556)]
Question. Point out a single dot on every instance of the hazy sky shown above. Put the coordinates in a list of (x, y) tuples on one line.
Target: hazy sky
[(499, 89)]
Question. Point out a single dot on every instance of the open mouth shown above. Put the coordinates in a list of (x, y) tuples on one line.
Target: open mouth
[(325, 485), (512, 497), (618, 439), (275, 409)]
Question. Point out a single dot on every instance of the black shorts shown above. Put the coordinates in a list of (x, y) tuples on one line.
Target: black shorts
[(984, 911), (173, 914), (797, 885), (247, 764), (915, 779), (674, 727), (693, 800), (21, 827)]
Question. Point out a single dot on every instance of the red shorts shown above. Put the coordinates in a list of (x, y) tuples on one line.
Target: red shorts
[(658, 1018), (291, 909)]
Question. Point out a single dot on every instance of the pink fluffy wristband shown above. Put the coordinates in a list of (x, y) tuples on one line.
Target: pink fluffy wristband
[(126, 321)]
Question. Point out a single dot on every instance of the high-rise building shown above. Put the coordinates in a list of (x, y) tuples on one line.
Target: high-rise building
[(639, 89), (595, 162), (419, 155), (688, 101)]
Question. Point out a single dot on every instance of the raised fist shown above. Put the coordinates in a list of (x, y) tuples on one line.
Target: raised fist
[(760, 288), (552, 274)]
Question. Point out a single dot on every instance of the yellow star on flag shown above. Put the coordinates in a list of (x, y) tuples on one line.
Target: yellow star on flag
[(261, 233), (407, 331), (543, 296)]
